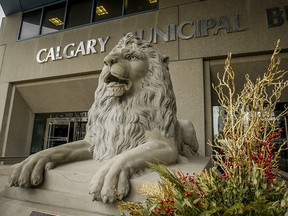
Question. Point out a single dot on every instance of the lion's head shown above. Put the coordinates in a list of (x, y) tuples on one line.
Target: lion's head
[(134, 95)]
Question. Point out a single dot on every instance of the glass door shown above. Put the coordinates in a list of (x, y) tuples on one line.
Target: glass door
[(79, 128), (58, 131), (63, 130)]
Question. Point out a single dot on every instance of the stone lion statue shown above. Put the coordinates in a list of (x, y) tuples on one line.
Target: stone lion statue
[(131, 122)]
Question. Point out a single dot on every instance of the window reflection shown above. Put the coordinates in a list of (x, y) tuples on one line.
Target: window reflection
[(53, 18), (135, 6), (30, 24), (79, 12), (107, 9)]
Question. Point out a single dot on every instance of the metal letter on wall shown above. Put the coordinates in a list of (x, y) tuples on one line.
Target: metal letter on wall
[(274, 17), (38, 56)]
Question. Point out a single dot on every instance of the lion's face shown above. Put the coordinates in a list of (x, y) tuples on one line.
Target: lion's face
[(123, 67)]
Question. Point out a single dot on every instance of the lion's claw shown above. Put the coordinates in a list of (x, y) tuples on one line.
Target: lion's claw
[(105, 199), (109, 181), (95, 197), (36, 180), (29, 173)]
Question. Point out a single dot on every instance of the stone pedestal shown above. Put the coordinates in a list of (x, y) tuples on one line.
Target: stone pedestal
[(65, 190)]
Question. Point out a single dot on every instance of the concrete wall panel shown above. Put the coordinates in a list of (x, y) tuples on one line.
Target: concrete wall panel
[(20, 127), (187, 79), (4, 88)]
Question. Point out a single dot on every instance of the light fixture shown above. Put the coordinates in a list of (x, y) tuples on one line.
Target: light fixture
[(56, 21), (100, 10), (152, 1)]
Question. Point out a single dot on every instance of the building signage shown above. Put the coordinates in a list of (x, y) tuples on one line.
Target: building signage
[(71, 50), (196, 29), (276, 16), (184, 31)]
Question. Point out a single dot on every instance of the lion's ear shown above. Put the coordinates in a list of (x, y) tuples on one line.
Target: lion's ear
[(166, 59)]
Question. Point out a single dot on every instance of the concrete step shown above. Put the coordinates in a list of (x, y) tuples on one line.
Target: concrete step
[(13, 207)]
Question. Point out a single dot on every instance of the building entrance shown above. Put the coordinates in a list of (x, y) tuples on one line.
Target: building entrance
[(54, 129), (64, 130)]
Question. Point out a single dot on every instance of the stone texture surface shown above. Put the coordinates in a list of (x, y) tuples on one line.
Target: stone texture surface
[(65, 190)]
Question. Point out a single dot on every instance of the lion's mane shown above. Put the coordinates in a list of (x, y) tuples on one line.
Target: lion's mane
[(118, 124)]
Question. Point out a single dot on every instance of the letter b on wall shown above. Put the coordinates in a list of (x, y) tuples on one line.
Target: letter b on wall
[(275, 16)]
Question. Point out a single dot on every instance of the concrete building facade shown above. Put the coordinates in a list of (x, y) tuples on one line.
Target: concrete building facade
[(55, 74)]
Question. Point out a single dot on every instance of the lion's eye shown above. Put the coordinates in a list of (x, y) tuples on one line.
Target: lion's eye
[(131, 57)]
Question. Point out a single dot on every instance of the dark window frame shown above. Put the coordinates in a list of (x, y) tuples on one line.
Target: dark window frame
[(21, 24), (48, 8), (91, 22), (67, 13)]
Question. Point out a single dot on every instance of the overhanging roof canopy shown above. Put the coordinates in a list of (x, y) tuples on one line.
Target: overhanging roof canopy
[(14, 6)]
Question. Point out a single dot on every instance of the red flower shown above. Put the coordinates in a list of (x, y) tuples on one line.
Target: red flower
[(167, 210)]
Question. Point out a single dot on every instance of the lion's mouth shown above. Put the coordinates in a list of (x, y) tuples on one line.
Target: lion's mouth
[(111, 79), (115, 81)]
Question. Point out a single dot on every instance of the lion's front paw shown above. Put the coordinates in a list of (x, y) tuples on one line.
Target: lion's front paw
[(30, 172), (110, 180)]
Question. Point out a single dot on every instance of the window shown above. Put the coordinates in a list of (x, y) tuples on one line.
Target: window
[(30, 24), (53, 18), (79, 13), (38, 132), (135, 6), (71, 13), (107, 9)]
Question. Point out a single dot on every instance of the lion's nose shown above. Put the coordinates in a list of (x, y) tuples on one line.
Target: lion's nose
[(110, 60)]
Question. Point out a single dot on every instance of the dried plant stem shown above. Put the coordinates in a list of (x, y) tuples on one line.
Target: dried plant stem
[(248, 120)]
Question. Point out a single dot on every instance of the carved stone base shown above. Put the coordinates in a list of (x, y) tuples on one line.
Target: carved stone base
[(65, 190)]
